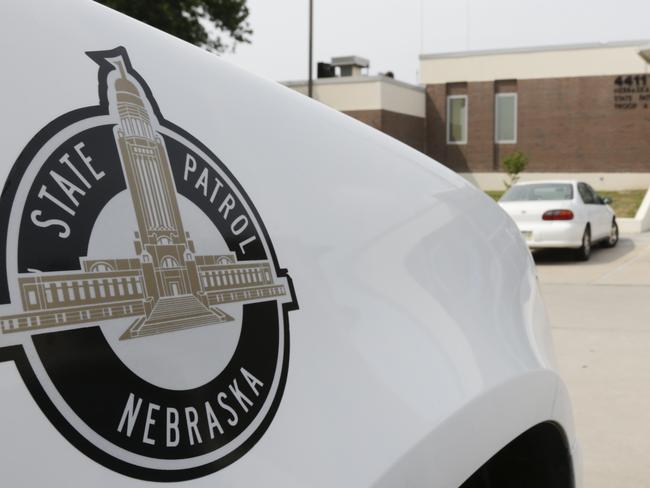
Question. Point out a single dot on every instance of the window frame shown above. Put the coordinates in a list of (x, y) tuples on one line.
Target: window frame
[(590, 194), (496, 117), (594, 194), (465, 124)]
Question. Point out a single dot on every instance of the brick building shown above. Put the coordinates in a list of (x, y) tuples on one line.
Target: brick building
[(580, 110)]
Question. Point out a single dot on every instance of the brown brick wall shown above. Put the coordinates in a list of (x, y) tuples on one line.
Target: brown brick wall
[(434, 131), (407, 128), (564, 124)]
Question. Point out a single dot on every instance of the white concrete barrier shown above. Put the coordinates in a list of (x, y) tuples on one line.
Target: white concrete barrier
[(641, 221)]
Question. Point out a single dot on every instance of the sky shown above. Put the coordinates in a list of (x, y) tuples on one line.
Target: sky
[(393, 33)]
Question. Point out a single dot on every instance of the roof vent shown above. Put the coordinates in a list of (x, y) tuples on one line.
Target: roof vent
[(350, 65), (325, 70)]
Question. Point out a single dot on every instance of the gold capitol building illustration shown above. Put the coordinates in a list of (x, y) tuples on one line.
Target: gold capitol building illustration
[(167, 287)]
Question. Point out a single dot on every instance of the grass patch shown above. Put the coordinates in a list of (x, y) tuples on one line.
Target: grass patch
[(625, 202), (495, 194)]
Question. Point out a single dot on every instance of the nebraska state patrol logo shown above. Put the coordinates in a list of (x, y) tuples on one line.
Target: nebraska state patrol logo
[(143, 302)]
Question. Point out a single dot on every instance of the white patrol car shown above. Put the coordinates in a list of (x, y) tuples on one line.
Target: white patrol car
[(209, 280)]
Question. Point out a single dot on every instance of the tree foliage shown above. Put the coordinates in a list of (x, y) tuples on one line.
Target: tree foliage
[(514, 164), (217, 25)]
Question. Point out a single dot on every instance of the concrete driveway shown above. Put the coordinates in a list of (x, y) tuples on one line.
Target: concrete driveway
[(600, 315)]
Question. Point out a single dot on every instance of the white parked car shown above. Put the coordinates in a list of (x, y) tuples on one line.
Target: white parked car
[(561, 214), (209, 279)]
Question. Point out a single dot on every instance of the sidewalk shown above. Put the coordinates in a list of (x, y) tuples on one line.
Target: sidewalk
[(600, 317)]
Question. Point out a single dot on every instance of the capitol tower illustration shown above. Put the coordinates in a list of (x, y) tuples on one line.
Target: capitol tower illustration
[(167, 287)]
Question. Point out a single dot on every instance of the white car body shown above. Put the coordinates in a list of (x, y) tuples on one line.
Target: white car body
[(540, 233), (415, 344)]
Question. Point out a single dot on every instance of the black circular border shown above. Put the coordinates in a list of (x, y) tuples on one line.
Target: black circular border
[(17, 353)]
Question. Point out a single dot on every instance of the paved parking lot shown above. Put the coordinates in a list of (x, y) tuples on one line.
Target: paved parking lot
[(600, 315)]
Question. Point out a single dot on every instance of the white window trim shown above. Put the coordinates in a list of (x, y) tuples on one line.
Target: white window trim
[(449, 99), (496, 117)]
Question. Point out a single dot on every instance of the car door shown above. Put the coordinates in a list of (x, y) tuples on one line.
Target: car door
[(597, 211), (602, 214)]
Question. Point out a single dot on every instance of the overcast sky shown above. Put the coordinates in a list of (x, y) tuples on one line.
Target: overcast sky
[(392, 33)]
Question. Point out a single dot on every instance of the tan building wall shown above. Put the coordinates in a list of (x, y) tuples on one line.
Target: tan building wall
[(536, 62)]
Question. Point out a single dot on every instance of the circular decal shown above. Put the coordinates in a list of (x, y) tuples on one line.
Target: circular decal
[(141, 297)]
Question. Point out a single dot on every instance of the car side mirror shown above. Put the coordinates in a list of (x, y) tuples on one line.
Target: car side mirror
[(606, 200)]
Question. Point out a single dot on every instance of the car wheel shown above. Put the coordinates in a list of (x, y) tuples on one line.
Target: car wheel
[(613, 235), (585, 250)]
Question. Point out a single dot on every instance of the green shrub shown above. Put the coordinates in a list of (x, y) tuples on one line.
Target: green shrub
[(514, 164)]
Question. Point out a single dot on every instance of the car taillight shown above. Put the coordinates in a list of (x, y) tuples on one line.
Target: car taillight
[(558, 215)]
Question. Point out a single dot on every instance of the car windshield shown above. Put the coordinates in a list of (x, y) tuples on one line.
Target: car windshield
[(538, 191)]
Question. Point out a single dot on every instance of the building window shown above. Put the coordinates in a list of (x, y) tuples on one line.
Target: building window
[(100, 267), (48, 294), (169, 262), (457, 119), (505, 118)]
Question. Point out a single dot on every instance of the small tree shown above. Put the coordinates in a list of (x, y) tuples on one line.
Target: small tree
[(514, 164)]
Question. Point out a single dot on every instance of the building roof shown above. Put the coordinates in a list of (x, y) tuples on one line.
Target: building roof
[(354, 79), (535, 49)]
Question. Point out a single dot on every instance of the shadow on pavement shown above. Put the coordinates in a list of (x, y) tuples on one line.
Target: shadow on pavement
[(599, 254)]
